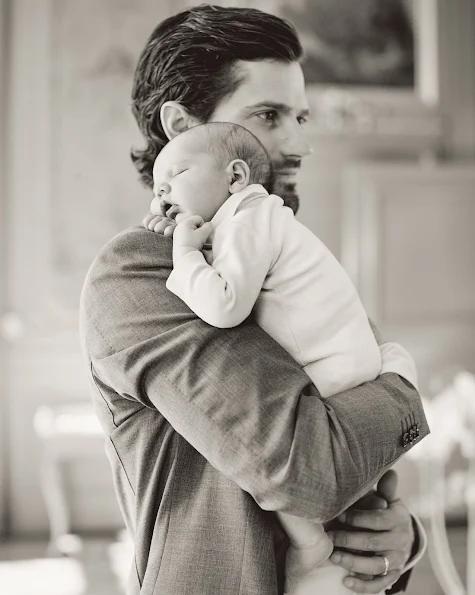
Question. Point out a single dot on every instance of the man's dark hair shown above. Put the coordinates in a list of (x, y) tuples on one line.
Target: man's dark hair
[(226, 141), (191, 58)]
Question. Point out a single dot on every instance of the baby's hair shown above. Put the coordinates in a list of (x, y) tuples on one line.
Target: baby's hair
[(227, 141)]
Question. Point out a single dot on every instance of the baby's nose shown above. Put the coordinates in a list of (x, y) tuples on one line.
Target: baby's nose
[(164, 189)]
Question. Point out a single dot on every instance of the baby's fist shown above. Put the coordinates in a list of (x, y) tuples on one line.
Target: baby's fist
[(192, 233)]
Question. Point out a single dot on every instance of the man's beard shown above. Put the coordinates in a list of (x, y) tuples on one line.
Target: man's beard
[(288, 192)]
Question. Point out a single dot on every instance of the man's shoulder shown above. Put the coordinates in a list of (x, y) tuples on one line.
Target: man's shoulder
[(131, 268), (131, 253), (137, 242), (134, 247)]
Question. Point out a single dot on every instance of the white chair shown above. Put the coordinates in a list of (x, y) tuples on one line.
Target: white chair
[(451, 417), (67, 431)]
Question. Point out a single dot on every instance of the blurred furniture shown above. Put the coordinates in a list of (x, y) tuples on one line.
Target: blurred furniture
[(451, 416), (67, 432)]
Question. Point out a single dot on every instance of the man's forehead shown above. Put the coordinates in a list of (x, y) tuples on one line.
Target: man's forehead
[(270, 81)]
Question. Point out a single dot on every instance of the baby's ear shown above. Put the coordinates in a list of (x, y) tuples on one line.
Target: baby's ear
[(238, 175)]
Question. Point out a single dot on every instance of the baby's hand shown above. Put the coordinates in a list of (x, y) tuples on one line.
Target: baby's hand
[(155, 220), (159, 224), (191, 233)]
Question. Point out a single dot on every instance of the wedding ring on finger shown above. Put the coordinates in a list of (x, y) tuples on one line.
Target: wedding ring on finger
[(386, 566)]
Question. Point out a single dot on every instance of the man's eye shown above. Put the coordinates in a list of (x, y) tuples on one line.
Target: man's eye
[(302, 120), (269, 116), (180, 171)]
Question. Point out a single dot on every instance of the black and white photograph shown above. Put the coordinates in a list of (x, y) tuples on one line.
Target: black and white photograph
[(237, 297)]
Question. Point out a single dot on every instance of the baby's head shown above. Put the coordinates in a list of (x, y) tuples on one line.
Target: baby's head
[(197, 171)]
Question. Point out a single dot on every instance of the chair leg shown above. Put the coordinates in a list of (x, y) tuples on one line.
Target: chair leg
[(56, 503)]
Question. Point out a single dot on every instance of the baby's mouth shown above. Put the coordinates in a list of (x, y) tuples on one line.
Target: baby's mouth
[(169, 210)]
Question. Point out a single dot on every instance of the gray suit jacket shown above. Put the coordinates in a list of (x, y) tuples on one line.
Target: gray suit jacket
[(209, 431)]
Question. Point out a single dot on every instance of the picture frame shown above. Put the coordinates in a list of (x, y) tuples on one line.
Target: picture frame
[(378, 109)]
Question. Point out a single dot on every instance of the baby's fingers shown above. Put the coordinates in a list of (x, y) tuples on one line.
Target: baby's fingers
[(206, 230), (147, 219), (192, 222), (168, 232), (156, 223)]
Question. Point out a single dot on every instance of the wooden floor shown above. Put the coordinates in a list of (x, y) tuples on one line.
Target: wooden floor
[(100, 567)]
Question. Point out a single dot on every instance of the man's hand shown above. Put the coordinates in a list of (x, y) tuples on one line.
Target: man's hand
[(377, 525)]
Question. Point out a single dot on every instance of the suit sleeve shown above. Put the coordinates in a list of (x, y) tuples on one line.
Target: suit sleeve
[(234, 394)]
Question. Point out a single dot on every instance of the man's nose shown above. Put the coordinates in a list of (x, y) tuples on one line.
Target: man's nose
[(296, 143)]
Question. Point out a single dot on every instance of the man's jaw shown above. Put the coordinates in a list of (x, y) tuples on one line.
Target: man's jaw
[(285, 183), (289, 195), (285, 186)]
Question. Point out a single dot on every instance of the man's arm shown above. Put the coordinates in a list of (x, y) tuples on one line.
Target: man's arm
[(235, 395), (401, 537)]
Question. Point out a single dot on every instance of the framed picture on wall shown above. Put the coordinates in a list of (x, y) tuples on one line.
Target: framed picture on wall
[(367, 62), (364, 43)]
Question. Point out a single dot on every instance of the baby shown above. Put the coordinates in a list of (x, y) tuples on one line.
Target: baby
[(237, 249)]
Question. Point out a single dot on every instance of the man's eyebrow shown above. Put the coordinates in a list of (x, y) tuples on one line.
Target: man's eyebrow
[(281, 107)]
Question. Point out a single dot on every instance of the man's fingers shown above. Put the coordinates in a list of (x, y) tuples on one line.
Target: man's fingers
[(368, 565), (367, 541), (377, 585), (372, 501), (374, 520), (387, 486)]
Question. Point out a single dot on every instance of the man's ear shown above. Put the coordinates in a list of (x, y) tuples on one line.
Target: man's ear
[(175, 119), (238, 175)]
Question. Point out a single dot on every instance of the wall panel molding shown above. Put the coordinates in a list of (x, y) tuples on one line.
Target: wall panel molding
[(409, 247)]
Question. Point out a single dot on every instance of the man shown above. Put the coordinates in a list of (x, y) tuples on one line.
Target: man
[(210, 431)]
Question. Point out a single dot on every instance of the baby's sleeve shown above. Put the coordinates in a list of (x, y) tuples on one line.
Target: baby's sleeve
[(224, 293)]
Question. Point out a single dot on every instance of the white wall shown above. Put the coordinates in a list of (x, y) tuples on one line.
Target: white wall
[(71, 187)]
